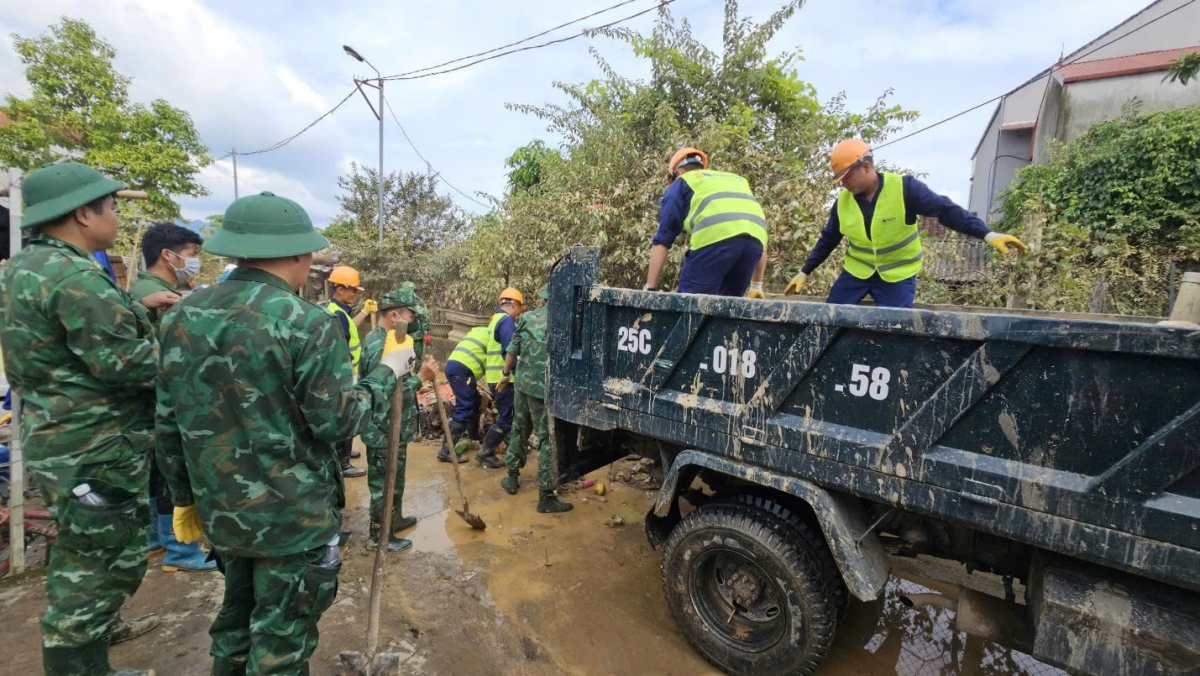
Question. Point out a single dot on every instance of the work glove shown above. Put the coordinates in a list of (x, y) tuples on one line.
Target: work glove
[(370, 306), (796, 284), (504, 381), (399, 359), (186, 523), (755, 291), (1001, 241)]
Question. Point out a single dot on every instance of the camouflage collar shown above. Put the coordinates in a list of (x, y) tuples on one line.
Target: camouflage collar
[(261, 276), (58, 243)]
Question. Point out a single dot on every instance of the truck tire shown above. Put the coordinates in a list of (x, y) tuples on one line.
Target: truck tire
[(747, 592), (813, 538)]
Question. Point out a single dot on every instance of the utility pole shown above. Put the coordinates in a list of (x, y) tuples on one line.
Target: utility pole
[(233, 154), (379, 115)]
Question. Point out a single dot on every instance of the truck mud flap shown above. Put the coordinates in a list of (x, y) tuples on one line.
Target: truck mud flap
[(859, 554)]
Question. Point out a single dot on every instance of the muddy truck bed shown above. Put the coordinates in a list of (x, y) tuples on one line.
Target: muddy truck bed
[(1042, 435)]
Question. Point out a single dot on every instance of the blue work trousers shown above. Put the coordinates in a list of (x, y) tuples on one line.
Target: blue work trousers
[(850, 290), (721, 269), (466, 397)]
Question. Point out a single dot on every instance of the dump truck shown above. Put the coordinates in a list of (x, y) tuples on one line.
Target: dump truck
[(804, 445)]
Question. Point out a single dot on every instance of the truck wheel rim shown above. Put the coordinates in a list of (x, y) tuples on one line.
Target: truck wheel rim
[(738, 600)]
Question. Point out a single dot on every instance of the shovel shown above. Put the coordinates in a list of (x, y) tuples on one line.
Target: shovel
[(371, 663), (473, 520)]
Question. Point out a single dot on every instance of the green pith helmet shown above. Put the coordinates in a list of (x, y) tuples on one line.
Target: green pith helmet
[(544, 293), (400, 298), (56, 190), (265, 226)]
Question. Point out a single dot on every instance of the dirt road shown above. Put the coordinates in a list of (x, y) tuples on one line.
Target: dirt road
[(533, 594)]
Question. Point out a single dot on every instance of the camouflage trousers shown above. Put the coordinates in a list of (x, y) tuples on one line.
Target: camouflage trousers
[(99, 558), (267, 623), (529, 417), (376, 480)]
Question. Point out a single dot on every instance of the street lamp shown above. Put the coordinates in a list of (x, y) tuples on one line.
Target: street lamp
[(379, 115)]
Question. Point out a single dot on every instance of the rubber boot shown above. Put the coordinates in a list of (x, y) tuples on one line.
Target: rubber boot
[(491, 441), (127, 630), (457, 430), (83, 660), (395, 543), (403, 523), (156, 545), (226, 666), (510, 483), (180, 556), (549, 503)]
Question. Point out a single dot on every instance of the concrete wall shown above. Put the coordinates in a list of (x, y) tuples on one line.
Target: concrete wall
[(1090, 101), (980, 199), (1175, 31)]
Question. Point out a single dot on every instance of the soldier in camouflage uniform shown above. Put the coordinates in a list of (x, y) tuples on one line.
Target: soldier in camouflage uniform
[(256, 389), (83, 357), (527, 352), (395, 306)]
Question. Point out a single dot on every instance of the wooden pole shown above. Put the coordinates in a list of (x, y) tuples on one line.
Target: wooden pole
[(385, 527), (16, 469)]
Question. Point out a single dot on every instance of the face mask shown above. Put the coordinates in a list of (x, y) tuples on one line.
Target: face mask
[(191, 268)]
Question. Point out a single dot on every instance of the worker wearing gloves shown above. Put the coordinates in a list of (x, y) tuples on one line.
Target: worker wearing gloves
[(255, 392), (171, 254), (877, 213), (346, 289), (727, 253), (83, 357), (464, 369), (394, 307), (525, 367), (499, 335)]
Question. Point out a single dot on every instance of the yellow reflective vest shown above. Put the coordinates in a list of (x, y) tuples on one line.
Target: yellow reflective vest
[(894, 248), (471, 351), (723, 207), (355, 345), (495, 351)]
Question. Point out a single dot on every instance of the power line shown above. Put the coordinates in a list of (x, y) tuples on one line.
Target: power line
[(514, 44), (312, 124), (1049, 73), (585, 32), (428, 164)]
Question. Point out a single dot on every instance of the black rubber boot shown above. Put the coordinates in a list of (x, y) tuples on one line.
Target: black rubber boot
[(79, 661), (127, 630), (510, 483), (457, 430), (395, 543), (491, 441), (549, 503), (224, 666), (400, 523)]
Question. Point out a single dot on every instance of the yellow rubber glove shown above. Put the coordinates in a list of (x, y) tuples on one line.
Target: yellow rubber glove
[(1001, 241), (756, 291), (187, 524), (370, 306), (796, 284), (504, 381)]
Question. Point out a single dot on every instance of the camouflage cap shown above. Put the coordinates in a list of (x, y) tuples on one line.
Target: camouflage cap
[(400, 298), (265, 226), (56, 190)]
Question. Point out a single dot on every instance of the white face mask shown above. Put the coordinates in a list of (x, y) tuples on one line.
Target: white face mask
[(191, 268)]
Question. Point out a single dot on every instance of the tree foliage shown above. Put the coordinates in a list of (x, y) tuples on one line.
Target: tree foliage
[(1184, 69), (423, 231), (79, 108), (749, 111), (526, 165)]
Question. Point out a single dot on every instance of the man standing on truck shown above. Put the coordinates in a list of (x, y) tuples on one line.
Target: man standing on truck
[(500, 333), (346, 289), (83, 357), (877, 213), (172, 257), (727, 253), (255, 392), (525, 365)]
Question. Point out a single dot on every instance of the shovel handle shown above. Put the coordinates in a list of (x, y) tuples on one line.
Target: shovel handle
[(449, 442)]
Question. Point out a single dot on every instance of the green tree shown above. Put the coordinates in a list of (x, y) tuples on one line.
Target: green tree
[(748, 110), (79, 108), (526, 165), (1184, 69)]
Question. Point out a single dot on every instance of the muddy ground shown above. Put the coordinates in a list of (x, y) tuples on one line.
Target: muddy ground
[(533, 594)]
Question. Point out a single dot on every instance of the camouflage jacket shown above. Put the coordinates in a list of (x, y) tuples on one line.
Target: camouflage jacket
[(376, 433), (148, 283), (81, 354), (529, 347), (255, 389)]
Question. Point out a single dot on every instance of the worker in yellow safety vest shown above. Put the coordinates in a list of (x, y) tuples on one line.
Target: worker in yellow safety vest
[(727, 248), (877, 213), (500, 331), (346, 290)]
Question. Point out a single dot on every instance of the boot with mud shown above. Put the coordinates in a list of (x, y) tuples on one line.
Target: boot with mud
[(457, 430), (491, 442), (402, 523), (510, 483), (127, 630), (85, 660), (395, 543), (549, 503)]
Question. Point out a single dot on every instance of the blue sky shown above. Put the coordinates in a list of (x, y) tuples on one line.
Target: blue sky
[(252, 73)]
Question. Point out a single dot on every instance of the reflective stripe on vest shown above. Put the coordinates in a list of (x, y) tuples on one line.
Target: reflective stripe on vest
[(495, 351), (471, 351), (894, 248), (722, 207), (355, 347)]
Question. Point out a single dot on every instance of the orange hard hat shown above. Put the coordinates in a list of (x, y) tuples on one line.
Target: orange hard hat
[(344, 275), (684, 154), (845, 155), (512, 294)]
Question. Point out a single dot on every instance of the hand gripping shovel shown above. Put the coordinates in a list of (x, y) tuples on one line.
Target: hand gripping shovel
[(474, 520), (371, 663)]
